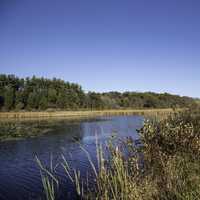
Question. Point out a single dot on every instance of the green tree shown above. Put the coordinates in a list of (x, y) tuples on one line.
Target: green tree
[(95, 101), (43, 103), (19, 100), (52, 97), (61, 101), (9, 98), (1, 101), (40, 93), (32, 102)]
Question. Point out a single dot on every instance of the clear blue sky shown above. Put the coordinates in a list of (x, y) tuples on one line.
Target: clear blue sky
[(135, 45)]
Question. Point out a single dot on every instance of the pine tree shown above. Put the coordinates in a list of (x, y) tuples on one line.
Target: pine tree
[(9, 98)]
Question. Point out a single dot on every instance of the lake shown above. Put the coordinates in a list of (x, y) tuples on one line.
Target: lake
[(19, 172)]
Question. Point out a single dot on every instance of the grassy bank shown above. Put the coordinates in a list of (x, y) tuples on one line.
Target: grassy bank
[(16, 125), (164, 167), (77, 114)]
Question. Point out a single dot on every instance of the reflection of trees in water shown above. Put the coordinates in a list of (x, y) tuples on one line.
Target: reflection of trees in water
[(95, 129), (61, 137), (77, 129), (72, 131), (14, 129), (91, 129)]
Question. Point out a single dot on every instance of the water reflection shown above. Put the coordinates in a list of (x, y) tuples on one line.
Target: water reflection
[(19, 173)]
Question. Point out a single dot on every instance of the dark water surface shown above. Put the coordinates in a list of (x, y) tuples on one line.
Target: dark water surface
[(19, 172)]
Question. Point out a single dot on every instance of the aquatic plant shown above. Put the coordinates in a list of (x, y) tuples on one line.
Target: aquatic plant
[(165, 165), (49, 181)]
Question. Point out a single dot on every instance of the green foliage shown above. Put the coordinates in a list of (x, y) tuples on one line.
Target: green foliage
[(32, 101), (171, 150), (40, 93), (52, 97), (19, 106), (1, 101), (43, 103), (9, 98), (95, 101), (19, 100)]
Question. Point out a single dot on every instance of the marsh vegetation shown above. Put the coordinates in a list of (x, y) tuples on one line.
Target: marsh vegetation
[(20, 173), (31, 124), (164, 166)]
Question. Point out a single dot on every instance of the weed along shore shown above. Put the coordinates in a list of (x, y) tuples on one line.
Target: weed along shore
[(80, 114), (16, 125), (164, 167)]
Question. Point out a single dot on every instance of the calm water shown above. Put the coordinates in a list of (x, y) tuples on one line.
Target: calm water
[(19, 172)]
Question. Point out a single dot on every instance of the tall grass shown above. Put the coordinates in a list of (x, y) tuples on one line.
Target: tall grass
[(49, 181), (166, 166), (79, 114)]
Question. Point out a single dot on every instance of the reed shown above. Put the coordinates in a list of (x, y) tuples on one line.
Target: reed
[(79, 114), (164, 167), (17, 125), (49, 181)]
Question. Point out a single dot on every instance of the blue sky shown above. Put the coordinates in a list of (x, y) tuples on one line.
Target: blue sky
[(135, 45)]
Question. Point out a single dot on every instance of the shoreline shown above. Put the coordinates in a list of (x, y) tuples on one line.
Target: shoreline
[(79, 114)]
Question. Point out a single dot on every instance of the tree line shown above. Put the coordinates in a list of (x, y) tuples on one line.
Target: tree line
[(42, 94)]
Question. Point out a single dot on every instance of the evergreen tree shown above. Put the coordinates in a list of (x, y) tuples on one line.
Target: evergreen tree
[(43, 103), (9, 98), (32, 102), (41, 93), (19, 101)]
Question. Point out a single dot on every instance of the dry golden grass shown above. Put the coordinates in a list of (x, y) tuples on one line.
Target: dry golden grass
[(79, 114)]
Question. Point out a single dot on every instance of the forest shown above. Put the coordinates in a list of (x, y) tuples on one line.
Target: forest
[(35, 94)]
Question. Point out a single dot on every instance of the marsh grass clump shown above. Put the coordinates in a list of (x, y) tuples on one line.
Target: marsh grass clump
[(164, 167), (49, 181), (171, 150)]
